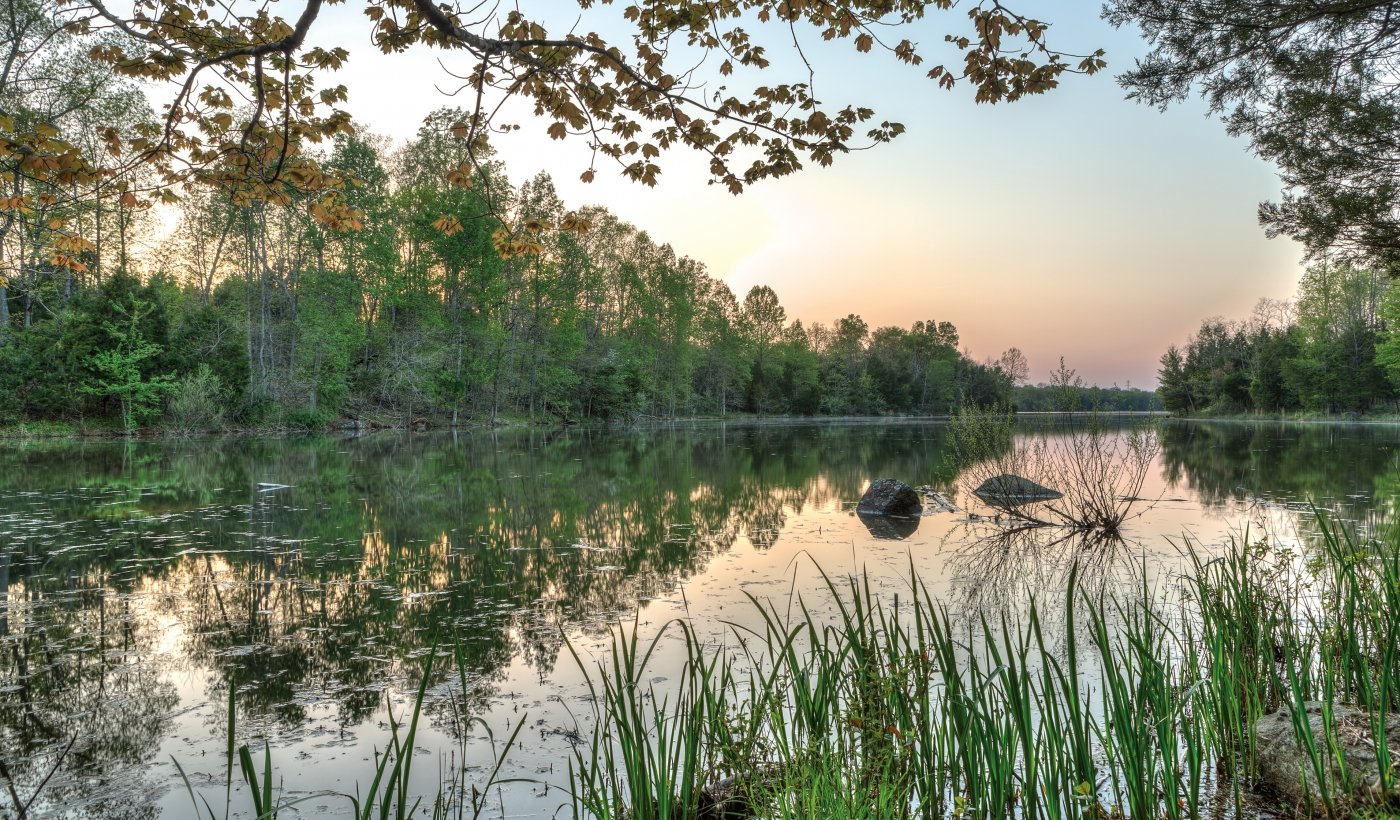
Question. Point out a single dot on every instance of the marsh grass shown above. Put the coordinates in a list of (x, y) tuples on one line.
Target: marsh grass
[(1131, 703), (388, 796), (1135, 703)]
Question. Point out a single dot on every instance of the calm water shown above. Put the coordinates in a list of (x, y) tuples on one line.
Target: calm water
[(141, 582)]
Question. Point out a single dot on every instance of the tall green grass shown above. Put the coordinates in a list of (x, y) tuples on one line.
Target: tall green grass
[(1135, 703), (1138, 703), (388, 795)]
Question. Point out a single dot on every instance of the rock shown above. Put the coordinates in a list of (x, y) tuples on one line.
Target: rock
[(935, 500), (889, 527), (726, 799), (1286, 770), (1012, 490), (888, 496)]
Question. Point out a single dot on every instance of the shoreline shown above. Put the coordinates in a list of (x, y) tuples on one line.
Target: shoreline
[(355, 428)]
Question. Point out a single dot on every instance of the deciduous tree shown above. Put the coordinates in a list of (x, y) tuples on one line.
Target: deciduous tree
[(1311, 85), (678, 73)]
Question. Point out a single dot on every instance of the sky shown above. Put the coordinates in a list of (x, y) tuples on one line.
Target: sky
[(1074, 224)]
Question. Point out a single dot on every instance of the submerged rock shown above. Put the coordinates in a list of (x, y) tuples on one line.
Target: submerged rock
[(934, 501), (889, 496), (1010, 489), (1287, 771)]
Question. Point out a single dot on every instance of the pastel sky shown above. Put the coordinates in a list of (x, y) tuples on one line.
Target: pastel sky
[(1076, 224)]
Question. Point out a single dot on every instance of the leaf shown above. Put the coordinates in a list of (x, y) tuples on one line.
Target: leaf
[(449, 225), (461, 130)]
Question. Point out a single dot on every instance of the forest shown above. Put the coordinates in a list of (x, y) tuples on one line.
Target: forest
[(1335, 349), (253, 314)]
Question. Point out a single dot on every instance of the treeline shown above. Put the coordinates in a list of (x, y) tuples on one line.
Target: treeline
[(1046, 398), (252, 313), (1335, 349)]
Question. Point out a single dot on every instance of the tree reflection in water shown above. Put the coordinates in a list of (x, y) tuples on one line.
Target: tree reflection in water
[(139, 581), (307, 573)]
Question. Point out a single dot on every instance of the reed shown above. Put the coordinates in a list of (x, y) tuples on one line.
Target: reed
[(1137, 703), (389, 795), (883, 706)]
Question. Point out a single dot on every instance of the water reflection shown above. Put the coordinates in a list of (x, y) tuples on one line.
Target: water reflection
[(312, 572), (140, 581), (1349, 469), (889, 527)]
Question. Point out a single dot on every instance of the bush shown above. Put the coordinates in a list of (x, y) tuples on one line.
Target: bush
[(1099, 471), (196, 403)]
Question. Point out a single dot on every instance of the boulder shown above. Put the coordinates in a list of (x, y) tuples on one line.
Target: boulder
[(1008, 489), (1286, 771), (888, 496)]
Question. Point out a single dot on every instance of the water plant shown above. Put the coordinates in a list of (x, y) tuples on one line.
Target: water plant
[(1138, 704), (1096, 473), (388, 796)]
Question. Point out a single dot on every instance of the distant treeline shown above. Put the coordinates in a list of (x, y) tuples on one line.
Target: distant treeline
[(456, 298), (1045, 398), (1335, 349)]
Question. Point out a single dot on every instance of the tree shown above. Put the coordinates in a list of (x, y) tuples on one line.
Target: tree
[(761, 319), (1311, 85), (631, 98), (119, 368), (1013, 363), (1388, 349), (1176, 396), (1066, 387)]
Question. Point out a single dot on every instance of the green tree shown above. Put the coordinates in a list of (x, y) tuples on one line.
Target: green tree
[(1388, 348), (1311, 86), (762, 319), (1176, 395), (119, 369)]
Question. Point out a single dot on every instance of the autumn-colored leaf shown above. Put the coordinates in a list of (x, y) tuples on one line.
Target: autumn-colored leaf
[(448, 225)]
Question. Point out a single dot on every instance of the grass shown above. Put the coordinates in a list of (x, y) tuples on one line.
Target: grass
[(388, 795), (1139, 703), (888, 708)]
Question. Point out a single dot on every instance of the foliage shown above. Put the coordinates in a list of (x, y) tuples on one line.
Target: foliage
[(1327, 352), (402, 321), (1311, 86), (196, 403), (119, 370), (631, 92)]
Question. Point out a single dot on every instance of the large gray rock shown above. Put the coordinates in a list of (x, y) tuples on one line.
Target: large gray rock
[(1008, 489), (1286, 770), (888, 496)]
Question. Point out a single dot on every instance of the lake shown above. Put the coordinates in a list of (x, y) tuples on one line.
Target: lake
[(144, 581)]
